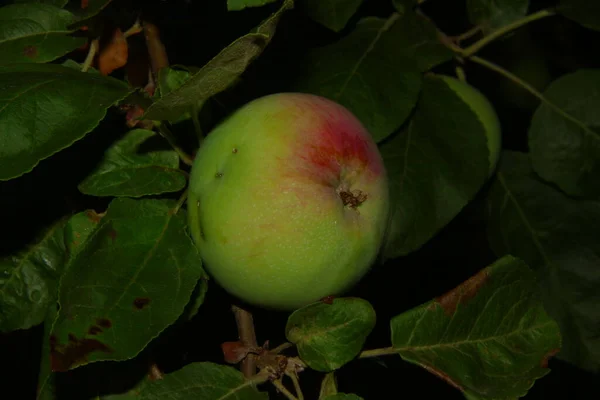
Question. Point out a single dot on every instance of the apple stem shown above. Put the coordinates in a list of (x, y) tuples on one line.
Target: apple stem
[(474, 48), (247, 335)]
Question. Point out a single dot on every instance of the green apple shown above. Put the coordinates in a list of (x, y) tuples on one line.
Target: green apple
[(288, 201), (484, 110)]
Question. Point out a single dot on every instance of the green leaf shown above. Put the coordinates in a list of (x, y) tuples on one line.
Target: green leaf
[(29, 279), (35, 33), (584, 12), (494, 14), (330, 335), (489, 337), (415, 37), (236, 5), (55, 3), (328, 386), (196, 381), (130, 280), (170, 79), (77, 231), (45, 108), (564, 135), (342, 396), (558, 237), (365, 73), (125, 171), (219, 73), (333, 14), (435, 165)]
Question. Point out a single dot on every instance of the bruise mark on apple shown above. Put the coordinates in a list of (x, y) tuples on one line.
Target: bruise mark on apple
[(219, 175), (462, 293), (141, 302), (550, 354), (442, 375), (112, 234)]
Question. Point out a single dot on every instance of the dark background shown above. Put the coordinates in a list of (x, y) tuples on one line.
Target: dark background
[(193, 32)]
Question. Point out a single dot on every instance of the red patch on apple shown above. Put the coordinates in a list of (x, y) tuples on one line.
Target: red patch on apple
[(339, 143)]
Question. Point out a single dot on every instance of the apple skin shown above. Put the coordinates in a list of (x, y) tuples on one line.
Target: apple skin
[(484, 110), (288, 201)]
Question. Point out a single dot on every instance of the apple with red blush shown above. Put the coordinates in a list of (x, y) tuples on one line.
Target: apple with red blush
[(288, 201)]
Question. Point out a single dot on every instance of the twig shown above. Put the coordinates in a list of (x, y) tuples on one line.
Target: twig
[(467, 35), (281, 348), (277, 383), (89, 59), (166, 133), (297, 387), (460, 73), (135, 29), (475, 47), (180, 201), (245, 324), (197, 126), (520, 82)]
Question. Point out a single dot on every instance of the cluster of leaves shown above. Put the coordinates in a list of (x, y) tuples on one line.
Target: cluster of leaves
[(106, 283)]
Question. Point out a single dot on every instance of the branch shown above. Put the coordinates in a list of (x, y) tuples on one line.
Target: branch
[(294, 377), (512, 77), (245, 324), (166, 133), (277, 383), (89, 59), (475, 47)]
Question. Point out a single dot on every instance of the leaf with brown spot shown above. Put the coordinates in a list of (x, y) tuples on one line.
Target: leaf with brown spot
[(488, 337), (35, 32), (109, 284), (463, 293), (30, 52), (74, 353), (557, 235), (141, 302)]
